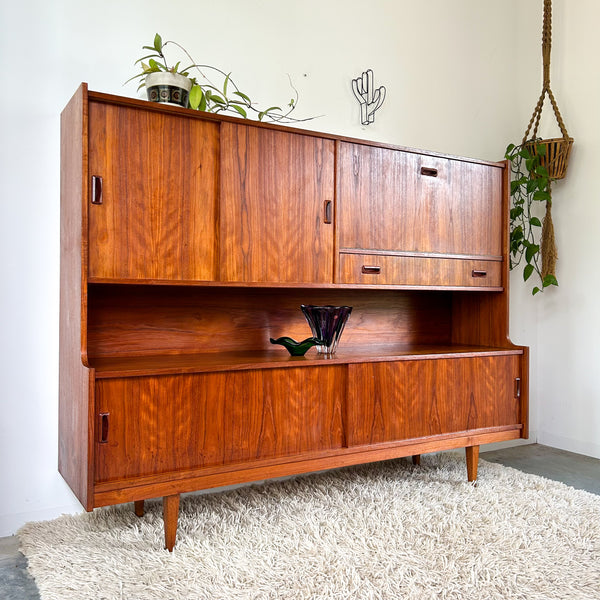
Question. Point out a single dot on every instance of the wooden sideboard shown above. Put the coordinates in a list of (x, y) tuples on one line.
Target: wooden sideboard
[(189, 239)]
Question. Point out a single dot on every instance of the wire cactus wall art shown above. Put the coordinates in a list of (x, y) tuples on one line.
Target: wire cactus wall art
[(370, 99)]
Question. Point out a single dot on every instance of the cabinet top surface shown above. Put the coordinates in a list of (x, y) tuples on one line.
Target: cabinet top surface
[(128, 366), (194, 114)]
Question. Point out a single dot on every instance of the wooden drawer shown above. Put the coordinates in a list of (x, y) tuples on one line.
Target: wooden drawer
[(159, 424), (383, 269), (392, 401)]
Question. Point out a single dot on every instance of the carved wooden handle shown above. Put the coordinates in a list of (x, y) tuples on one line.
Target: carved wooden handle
[(327, 211), (96, 189), (371, 269), (429, 172), (103, 417), (475, 273), (517, 387)]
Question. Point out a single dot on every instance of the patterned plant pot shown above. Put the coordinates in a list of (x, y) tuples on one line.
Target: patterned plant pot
[(169, 88)]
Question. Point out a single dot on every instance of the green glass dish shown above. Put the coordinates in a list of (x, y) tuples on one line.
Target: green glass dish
[(296, 348)]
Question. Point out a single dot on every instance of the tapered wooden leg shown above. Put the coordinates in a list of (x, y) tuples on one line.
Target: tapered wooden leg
[(170, 517), (416, 459), (472, 461), (138, 506)]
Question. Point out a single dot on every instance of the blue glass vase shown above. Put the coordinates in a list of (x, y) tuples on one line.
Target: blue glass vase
[(327, 324)]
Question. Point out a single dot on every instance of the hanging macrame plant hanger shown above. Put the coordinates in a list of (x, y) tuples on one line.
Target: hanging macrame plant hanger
[(555, 158), (558, 150)]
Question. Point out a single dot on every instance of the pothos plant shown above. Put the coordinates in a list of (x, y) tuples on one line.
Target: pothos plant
[(530, 185), (206, 94)]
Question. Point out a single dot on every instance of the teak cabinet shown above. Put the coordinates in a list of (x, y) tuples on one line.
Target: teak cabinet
[(189, 239)]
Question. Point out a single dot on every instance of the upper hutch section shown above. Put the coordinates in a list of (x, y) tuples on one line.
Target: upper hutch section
[(176, 196)]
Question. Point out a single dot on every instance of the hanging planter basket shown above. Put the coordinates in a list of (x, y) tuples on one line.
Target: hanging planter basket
[(556, 155)]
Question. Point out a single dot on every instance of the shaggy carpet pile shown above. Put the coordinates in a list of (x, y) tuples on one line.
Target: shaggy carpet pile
[(381, 531)]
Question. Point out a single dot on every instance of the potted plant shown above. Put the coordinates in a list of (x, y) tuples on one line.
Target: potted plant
[(163, 83), (535, 164), (531, 240), (191, 84)]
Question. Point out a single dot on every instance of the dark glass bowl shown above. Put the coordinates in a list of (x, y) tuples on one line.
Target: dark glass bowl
[(327, 324)]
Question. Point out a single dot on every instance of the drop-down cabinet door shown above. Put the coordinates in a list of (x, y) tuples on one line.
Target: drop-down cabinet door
[(411, 218), (153, 184), (276, 208)]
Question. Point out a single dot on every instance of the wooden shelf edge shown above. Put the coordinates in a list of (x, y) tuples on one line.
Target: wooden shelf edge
[(180, 364), (289, 285), (212, 477), (402, 253)]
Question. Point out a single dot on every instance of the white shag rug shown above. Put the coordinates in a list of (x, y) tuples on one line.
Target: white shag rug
[(381, 531)]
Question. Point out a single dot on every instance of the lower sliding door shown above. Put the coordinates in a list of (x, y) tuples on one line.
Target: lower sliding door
[(150, 425), (390, 401)]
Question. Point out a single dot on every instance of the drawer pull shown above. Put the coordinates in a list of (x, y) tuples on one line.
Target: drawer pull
[(475, 273), (327, 211), (103, 427), (517, 387), (96, 189), (371, 269), (429, 172)]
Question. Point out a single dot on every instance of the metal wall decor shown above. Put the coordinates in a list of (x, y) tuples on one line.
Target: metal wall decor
[(370, 99)]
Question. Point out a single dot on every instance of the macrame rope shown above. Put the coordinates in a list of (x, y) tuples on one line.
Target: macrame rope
[(546, 49), (549, 250)]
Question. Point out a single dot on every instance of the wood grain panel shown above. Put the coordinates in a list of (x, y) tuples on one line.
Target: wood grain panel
[(274, 186), (135, 320), (410, 399), (388, 202), (475, 214), (169, 424), (374, 188), (75, 449), (414, 270), (159, 177)]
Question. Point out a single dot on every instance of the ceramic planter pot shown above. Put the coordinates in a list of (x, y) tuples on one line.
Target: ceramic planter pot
[(169, 88)]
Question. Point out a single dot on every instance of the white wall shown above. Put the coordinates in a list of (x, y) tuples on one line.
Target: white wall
[(568, 320), (450, 69)]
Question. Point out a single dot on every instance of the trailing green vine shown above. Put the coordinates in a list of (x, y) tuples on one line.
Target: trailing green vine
[(530, 184), (205, 94)]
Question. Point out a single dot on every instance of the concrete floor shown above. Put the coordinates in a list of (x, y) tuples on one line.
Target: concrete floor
[(576, 470), (15, 581)]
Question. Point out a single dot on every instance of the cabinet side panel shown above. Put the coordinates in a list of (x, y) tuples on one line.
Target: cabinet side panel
[(74, 450)]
